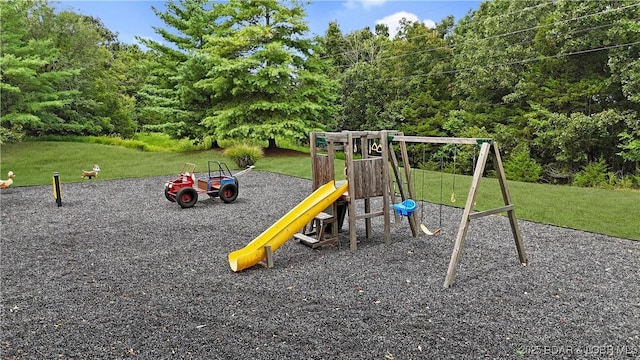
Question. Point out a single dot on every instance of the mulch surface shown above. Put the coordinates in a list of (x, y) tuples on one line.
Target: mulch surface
[(120, 272)]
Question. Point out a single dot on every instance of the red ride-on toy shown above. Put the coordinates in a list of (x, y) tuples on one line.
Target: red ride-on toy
[(220, 183)]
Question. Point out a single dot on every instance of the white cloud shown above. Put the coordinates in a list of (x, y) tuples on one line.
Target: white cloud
[(366, 4), (372, 3), (351, 4), (430, 24), (393, 21)]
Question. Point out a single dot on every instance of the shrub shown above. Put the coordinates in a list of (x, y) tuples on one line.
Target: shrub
[(624, 182), (207, 142), (521, 167), (13, 134), (635, 180), (593, 175), (244, 155)]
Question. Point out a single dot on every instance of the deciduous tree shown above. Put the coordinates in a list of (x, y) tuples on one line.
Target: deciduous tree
[(30, 85)]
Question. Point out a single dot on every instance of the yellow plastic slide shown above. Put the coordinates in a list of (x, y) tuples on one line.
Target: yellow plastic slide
[(287, 226)]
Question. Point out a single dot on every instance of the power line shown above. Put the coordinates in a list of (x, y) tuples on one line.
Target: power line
[(577, 31), (485, 20), (454, 26), (539, 58), (524, 61), (499, 35)]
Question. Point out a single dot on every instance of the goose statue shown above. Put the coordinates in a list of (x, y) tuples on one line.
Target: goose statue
[(6, 183)]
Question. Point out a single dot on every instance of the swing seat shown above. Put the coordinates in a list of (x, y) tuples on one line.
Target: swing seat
[(405, 208)]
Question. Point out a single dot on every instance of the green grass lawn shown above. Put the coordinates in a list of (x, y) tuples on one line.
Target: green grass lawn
[(611, 212), (35, 162)]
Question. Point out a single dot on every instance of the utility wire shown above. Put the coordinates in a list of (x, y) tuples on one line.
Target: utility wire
[(524, 61), (523, 42), (455, 26), (577, 31), (498, 35)]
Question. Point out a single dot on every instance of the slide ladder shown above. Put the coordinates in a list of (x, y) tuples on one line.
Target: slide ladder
[(315, 236)]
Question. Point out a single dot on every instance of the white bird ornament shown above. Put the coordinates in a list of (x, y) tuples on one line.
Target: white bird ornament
[(6, 183)]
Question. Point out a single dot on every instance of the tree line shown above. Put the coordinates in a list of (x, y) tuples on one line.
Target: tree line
[(556, 83)]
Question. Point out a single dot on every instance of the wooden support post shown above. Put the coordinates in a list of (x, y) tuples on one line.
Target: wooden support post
[(367, 201), (314, 150), (269, 254), (396, 173), (334, 225), (412, 195), (464, 222), (502, 178), (348, 152), (386, 207)]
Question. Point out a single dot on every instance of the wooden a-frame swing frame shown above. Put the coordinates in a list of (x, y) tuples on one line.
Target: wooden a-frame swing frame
[(487, 147)]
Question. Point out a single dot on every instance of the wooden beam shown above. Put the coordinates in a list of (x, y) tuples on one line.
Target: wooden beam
[(464, 222), (440, 140), (269, 254), (364, 149), (396, 172), (386, 207), (412, 195), (502, 179), (369, 215), (348, 154), (314, 150), (480, 214)]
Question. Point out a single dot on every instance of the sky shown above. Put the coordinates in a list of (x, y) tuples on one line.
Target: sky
[(135, 18)]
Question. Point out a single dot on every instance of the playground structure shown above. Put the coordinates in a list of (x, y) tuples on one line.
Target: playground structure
[(368, 176), (219, 183), (372, 170), (487, 147)]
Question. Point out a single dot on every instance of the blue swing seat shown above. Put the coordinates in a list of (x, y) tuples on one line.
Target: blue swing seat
[(405, 208)]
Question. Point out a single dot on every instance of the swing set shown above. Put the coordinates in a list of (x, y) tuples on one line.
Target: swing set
[(487, 148), (376, 173)]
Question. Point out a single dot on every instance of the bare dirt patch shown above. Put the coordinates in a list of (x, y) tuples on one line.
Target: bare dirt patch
[(278, 152)]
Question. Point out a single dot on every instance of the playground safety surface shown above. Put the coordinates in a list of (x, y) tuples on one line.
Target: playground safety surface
[(120, 272)]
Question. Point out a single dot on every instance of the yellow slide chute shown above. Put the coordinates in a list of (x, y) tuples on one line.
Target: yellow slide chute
[(287, 226)]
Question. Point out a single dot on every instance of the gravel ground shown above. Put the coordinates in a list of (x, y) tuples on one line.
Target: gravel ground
[(120, 272)]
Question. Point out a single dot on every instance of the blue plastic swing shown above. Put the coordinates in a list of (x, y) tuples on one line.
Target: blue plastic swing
[(405, 208)]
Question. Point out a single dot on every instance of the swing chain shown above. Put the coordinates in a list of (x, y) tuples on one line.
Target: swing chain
[(453, 186)]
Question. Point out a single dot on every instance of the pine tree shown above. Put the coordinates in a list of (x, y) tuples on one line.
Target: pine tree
[(169, 102), (265, 79)]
